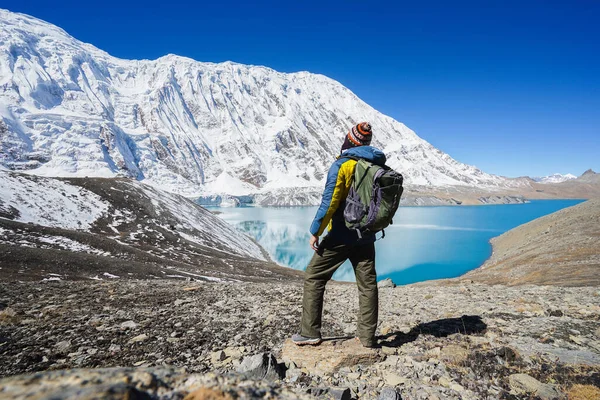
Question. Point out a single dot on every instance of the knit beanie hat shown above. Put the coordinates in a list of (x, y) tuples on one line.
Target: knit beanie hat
[(359, 135)]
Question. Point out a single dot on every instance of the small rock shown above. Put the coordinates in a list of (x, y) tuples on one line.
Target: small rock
[(388, 393), (128, 325), (444, 381), (353, 375), (389, 350), (508, 354), (63, 346), (261, 366), (114, 348), (386, 329), (340, 393), (578, 339), (217, 357), (386, 283), (143, 379), (457, 387), (138, 363), (235, 352), (316, 391), (525, 384), (555, 313), (393, 379), (294, 374), (138, 338)]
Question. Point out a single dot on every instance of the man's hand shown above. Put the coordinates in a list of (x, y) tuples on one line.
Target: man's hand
[(314, 242)]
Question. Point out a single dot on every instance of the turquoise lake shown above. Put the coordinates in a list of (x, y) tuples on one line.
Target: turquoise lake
[(423, 243)]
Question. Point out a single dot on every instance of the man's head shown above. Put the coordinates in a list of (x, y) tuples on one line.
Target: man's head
[(359, 135)]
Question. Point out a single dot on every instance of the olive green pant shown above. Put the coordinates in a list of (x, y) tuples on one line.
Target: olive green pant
[(319, 272)]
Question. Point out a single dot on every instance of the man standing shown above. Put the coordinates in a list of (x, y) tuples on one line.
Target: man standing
[(341, 244)]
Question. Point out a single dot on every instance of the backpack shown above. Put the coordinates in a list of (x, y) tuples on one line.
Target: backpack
[(373, 197)]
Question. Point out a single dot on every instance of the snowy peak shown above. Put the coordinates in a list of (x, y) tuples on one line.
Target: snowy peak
[(555, 178), (194, 128)]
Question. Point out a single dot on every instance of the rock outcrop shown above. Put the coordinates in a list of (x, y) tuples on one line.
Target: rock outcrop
[(330, 356)]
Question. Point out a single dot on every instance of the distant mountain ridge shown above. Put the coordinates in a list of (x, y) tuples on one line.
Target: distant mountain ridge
[(198, 129), (589, 176), (554, 178)]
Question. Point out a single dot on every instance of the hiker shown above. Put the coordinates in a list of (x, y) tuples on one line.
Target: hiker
[(341, 243)]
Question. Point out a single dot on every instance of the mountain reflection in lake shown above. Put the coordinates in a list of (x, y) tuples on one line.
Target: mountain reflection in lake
[(423, 243)]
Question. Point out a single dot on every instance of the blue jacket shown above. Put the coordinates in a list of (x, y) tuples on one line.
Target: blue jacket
[(339, 180)]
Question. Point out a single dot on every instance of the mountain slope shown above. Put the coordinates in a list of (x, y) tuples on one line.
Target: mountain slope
[(70, 109), (95, 228), (561, 249)]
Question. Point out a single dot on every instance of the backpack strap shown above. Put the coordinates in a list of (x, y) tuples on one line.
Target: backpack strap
[(364, 176)]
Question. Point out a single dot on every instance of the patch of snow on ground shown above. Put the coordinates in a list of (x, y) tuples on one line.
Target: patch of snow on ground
[(69, 244), (49, 202)]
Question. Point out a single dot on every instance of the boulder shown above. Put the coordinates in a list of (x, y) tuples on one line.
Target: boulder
[(386, 283), (261, 366), (329, 356)]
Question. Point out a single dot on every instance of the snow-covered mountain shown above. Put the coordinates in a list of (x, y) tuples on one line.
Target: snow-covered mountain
[(193, 128), (554, 178)]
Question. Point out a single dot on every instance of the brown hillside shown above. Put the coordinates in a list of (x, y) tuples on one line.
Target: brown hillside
[(561, 249)]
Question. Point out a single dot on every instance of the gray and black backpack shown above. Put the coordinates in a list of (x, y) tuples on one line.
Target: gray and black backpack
[(373, 197)]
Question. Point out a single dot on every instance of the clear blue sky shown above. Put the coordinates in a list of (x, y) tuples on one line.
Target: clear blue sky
[(512, 87)]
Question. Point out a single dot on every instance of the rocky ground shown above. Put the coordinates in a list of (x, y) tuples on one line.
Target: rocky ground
[(167, 339), (562, 248)]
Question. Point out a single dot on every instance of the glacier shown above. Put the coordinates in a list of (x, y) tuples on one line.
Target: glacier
[(202, 130)]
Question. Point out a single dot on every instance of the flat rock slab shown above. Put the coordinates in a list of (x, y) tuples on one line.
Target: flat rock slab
[(330, 355)]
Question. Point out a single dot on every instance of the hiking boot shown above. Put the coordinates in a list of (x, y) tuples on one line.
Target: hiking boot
[(301, 340)]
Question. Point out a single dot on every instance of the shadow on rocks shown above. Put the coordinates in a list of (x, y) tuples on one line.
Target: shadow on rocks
[(466, 325)]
